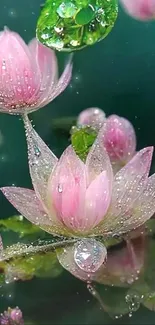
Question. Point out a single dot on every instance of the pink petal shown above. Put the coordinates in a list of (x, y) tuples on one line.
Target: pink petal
[(140, 9), (41, 161), (119, 139), (98, 196), (67, 187), (98, 161), (129, 184), (92, 116), (47, 64), (19, 78), (66, 259), (61, 85), (142, 210), (27, 203)]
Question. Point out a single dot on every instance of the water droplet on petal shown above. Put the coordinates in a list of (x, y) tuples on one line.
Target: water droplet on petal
[(60, 188)]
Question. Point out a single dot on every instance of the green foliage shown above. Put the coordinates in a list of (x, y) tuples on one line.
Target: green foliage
[(19, 225), (70, 26), (82, 139), (23, 262)]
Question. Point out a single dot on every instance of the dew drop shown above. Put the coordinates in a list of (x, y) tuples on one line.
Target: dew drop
[(133, 301), (89, 255), (66, 10), (3, 65), (60, 188), (37, 151)]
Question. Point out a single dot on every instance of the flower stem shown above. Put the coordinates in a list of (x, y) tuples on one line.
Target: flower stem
[(20, 251)]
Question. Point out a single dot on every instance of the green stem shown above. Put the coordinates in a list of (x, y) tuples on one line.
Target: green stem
[(30, 250)]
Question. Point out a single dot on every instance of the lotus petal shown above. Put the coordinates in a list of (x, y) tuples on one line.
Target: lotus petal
[(98, 161), (41, 161), (27, 203)]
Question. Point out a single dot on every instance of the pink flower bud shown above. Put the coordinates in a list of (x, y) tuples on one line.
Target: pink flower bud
[(140, 9), (28, 77), (119, 139), (12, 317), (91, 116), (16, 316)]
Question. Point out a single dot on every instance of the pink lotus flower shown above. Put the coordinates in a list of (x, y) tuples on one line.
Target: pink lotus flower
[(80, 200), (140, 9), (29, 75), (119, 140)]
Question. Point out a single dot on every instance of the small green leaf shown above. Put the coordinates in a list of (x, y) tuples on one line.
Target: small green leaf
[(19, 225), (82, 139)]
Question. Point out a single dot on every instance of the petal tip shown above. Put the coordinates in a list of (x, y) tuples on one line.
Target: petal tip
[(148, 152)]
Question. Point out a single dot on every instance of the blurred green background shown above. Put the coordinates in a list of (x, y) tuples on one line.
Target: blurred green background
[(117, 75)]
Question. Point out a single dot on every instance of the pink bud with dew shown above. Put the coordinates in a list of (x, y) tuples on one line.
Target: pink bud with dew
[(12, 317), (16, 316), (91, 116), (119, 139), (28, 74), (140, 9)]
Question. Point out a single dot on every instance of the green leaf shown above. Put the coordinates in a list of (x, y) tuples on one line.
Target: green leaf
[(19, 225), (23, 262), (67, 30), (82, 139), (39, 265)]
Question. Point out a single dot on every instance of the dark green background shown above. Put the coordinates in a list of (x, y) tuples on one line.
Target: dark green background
[(117, 75)]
